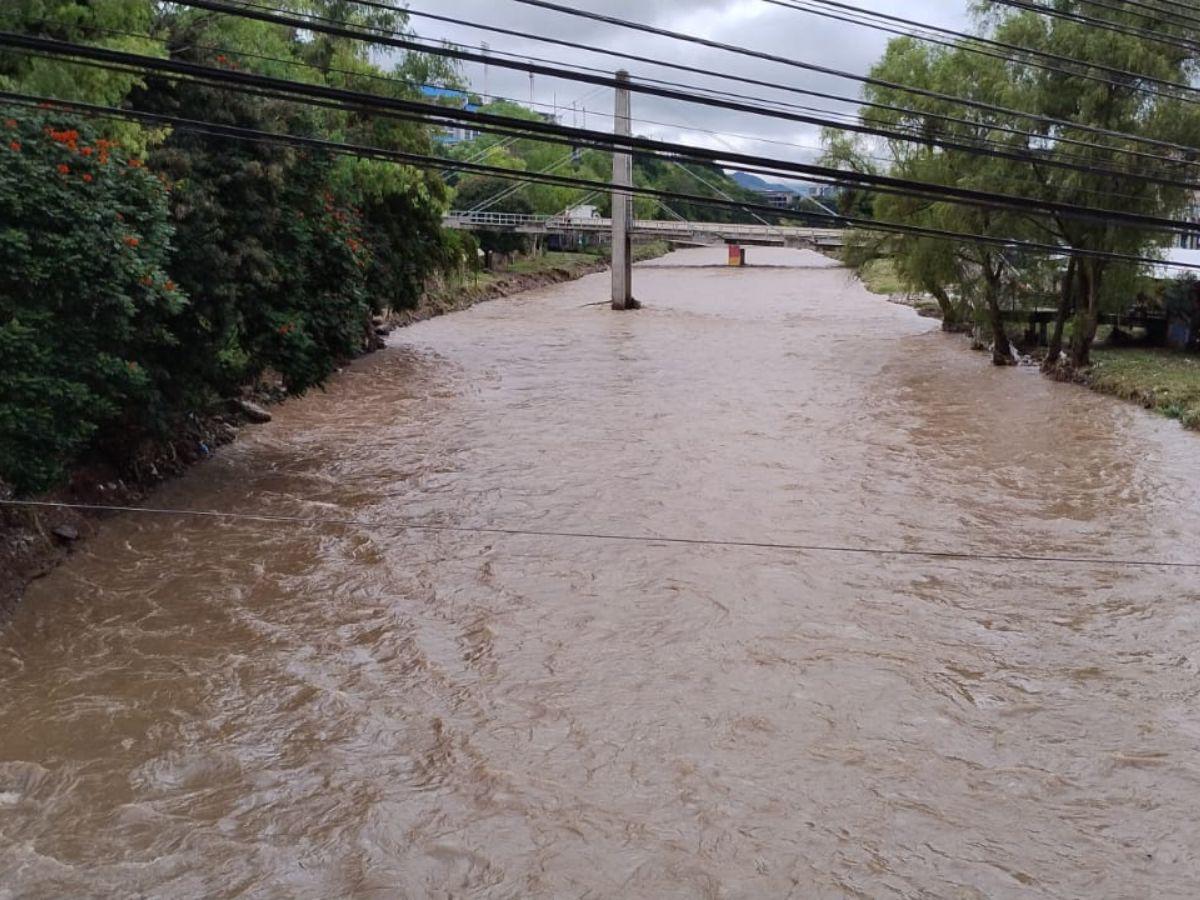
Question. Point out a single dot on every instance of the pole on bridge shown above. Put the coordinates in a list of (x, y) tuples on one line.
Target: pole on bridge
[(622, 203)]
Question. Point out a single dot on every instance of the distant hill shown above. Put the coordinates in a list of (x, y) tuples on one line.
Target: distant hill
[(755, 183)]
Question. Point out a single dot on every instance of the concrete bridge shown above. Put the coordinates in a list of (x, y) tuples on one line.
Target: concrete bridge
[(681, 232)]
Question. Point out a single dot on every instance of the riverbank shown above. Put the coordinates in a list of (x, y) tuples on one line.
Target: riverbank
[(525, 274), (1159, 380), (34, 541)]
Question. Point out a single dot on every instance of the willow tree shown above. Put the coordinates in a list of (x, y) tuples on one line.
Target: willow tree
[(1118, 96), (1126, 91)]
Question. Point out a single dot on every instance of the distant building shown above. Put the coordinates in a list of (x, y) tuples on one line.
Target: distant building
[(455, 134), (778, 199)]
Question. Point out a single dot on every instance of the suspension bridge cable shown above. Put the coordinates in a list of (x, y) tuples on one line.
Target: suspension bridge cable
[(608, 537), (442, 164)]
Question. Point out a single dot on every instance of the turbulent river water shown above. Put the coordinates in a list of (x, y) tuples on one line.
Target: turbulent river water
[(199, 707)]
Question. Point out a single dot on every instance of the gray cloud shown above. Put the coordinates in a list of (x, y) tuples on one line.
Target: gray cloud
[(749, 23)]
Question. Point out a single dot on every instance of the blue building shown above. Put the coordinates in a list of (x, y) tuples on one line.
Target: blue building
[(452, 97)]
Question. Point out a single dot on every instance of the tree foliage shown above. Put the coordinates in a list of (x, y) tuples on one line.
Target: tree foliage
[(1088, 98), (134, 295), (88, 311)]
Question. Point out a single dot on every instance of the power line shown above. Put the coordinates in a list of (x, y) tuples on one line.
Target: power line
[(917, 135), (1025, 156), (441, 164), (609, 537), (253, 10), (982, 46), (1158, 37), (783, 60), (1153, 13), (927, 115), (392, 80), (422, 112)]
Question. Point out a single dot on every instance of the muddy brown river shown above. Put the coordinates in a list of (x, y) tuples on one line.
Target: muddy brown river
[(231, 707)]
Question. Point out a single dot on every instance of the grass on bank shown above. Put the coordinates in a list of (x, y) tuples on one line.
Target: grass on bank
[(879, 276), (462, 291), (553, 259), (1160, 380)]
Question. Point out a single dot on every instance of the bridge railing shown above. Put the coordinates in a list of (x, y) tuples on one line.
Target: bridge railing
[(527, 222)]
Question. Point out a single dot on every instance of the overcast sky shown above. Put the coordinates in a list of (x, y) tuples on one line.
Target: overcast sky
[(749, 23)]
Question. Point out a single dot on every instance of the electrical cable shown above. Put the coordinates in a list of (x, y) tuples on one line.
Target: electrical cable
[(464, 54), (100, 54), (768, 57), (609, 537), (1131, 7), (983, 46), (441, 164), (421, 112), (1095, 22), (507, 142)]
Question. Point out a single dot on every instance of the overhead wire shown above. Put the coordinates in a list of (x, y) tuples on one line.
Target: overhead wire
[(442, 164), (776, 86), (415, 111), (1158, 37), (510, 141), (463, 51), (1153, 13), (787, 61), (1007, 52), (607, 537), (1024, 156)]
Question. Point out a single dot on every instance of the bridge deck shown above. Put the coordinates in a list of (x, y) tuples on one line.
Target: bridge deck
[(682, 231)]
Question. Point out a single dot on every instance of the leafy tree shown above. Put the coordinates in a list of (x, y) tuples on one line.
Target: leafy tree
[(1087, 285), (87, 308)]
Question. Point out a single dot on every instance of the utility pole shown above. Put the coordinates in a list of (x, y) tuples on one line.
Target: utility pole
[(622, 202), (483, 49)]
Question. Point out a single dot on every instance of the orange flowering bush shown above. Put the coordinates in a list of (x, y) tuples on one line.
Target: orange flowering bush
[(84, 332)]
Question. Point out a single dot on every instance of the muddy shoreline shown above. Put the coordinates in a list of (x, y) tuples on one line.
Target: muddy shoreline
[(33, 541)]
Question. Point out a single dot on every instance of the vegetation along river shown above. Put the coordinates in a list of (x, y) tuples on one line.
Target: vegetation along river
[(224, 707)]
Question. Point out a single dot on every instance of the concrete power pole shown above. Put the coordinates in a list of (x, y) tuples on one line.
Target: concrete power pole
[(622, 203)]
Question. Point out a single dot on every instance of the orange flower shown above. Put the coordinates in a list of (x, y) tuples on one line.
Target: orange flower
[(87, 151), (147, 281), (15, 147), (135, 164), (64, 169), (10, 123), (169, 286), (131, 241), (87, 179)]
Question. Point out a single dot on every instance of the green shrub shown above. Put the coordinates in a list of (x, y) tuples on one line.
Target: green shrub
[(86, 306)]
